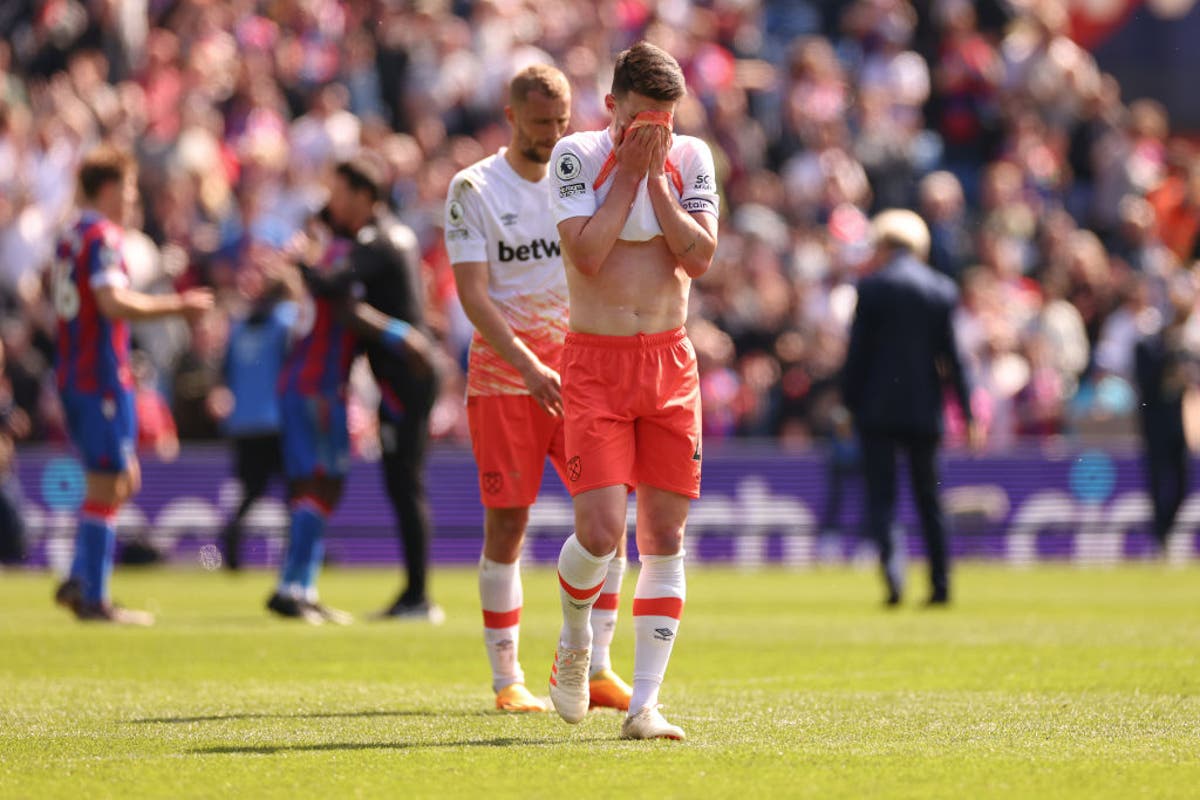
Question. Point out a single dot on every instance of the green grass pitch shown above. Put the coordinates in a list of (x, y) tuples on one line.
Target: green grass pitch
[(1044, 684)]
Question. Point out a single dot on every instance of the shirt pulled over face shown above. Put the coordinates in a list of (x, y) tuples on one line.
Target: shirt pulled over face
[(579, 187)]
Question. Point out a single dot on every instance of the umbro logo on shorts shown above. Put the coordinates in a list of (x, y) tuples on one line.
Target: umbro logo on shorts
[(573, 468)]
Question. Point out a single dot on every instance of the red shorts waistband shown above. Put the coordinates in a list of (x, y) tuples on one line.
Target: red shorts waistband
[(639, 341)]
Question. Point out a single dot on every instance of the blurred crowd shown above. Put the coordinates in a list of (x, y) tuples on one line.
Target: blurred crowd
[(1063, 209)]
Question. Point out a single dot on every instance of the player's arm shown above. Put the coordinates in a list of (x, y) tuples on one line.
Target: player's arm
[(220, 400), (690, 236), (121, 302), (109, 282), (853, 370), (543, 383), (587, 241), (396, 335)]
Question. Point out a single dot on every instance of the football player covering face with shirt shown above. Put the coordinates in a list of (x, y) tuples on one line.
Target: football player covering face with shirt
[(502, 242), (637, 209)]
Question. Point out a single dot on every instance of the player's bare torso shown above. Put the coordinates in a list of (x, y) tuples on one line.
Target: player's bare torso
[(639, 289)]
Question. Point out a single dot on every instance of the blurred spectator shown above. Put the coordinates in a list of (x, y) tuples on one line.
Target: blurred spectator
[(244, 401), (944, 209), (1166, 373), (156, 427), (197, 373), (14, 425), (967, 78)]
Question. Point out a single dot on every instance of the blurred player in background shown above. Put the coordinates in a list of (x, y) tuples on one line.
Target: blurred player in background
[(313, 389), (637, 208), (383, 267), (502, 242), (94, 304), (246, 403)]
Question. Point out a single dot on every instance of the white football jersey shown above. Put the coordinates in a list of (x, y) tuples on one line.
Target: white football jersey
[(578, 159), (494, 215)]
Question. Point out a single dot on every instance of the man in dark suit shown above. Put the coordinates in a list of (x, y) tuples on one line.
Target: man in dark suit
[(902, 352), (1166, 369)]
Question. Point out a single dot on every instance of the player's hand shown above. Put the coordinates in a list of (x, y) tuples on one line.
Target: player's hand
[(303, 249), (19, 424), (219, 403), (419, 350), (545, 386), (634, 151), (658, 151), (195, 303)]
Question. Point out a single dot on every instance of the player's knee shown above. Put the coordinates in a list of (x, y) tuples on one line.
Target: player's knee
[(599, 530), (660, 542), (507, 525), (660, 530)]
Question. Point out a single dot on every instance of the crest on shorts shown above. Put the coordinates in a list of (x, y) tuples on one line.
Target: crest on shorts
[(493, 482), (573, 468), (456, 214), (567, 168)]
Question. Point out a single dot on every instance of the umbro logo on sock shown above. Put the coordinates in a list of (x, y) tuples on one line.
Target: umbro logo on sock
[(664, 634), (579, 606)]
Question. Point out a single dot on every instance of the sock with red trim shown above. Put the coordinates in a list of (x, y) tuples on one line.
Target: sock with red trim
[(581, 576), (501, 596), (604, 615), (657, 607), (95, 540)]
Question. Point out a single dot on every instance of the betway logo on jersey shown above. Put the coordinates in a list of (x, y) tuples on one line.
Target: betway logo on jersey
[(534, 251)]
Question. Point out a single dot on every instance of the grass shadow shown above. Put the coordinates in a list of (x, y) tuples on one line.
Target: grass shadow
[(271, 749), (417, 712)]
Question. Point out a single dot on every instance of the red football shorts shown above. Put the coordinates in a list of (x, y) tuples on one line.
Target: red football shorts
[(632, 408), (511, 436)]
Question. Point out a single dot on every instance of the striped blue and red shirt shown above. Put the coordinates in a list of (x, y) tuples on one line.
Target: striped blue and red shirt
[(93, 350), (319, 362)]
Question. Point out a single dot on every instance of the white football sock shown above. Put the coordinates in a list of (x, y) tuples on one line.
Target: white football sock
[(501, 596), (657, 607), (604, 615), (580, 579)]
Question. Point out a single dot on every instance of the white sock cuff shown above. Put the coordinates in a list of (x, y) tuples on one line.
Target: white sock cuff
[(572, 543), (498, 568), (649, 560), (615, 574)]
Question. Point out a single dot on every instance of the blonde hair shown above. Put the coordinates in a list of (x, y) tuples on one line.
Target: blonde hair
[(901, 229), (541, 78)]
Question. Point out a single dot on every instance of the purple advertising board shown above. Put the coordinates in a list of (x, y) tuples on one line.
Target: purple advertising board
[(759, 505)]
